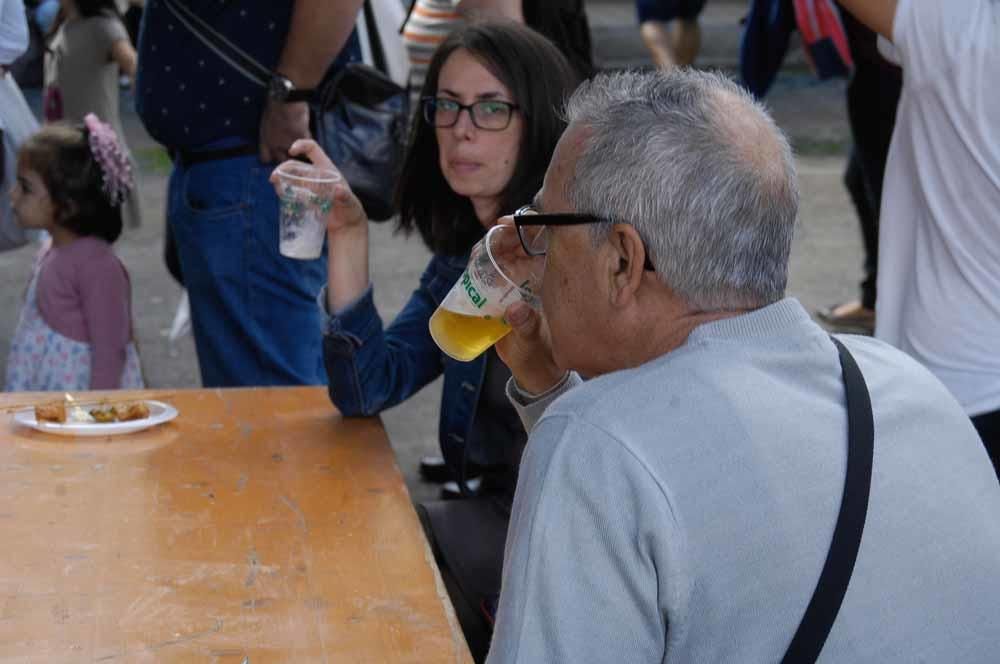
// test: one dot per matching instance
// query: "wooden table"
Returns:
(257, 527)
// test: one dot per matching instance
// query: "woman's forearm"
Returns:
(347, 266)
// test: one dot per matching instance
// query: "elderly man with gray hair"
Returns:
(704, 487)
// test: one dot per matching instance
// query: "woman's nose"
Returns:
(464, 126)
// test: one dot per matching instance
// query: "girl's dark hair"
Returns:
(61, 156)
(539, 78)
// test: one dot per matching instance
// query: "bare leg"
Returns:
(657, 40)
(672, 45)
(686, 40)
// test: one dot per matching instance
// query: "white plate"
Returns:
(159, 413)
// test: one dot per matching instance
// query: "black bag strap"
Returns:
(374, 39)
(242, 61)
(232, 54)
(832, 585)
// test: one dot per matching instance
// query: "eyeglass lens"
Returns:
(489, 114)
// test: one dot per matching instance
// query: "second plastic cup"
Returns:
(470, 319)
(306, 195)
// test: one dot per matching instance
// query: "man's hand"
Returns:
(280, 126)
(527, 350)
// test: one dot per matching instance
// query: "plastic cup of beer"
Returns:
(470, 319)
(306, 196)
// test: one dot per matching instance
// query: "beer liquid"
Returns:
(464, 337)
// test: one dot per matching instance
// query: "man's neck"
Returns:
(666, 331)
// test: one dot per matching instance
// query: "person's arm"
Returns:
(119, 47)
(123, 53)
(878, 15)
(594, 564)
(347, 233)
(318, 32)
(371, 368)
(13, 31)
(104, 297)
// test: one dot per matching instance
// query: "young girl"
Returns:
(88, 51)
(75, 328)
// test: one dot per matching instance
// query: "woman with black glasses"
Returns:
(487, 127)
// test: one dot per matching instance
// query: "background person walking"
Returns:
(89, 52)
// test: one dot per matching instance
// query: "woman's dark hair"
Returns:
(61, 156)
(539, 78)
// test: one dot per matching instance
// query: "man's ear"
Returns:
(629, 256)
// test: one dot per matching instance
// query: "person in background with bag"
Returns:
(679, 505)
(487, 125)
(17, 121)
(89, 50)
(253, 311)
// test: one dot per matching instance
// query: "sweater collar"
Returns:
(760, 323)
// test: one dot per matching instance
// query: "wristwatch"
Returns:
(281, 89)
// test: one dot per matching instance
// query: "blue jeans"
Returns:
(253, 311)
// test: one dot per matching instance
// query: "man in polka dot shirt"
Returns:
(253, 311)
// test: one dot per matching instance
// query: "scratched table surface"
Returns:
(259, 526)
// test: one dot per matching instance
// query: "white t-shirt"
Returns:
(13, 31)
(939, 241)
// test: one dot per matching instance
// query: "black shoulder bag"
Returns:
(832, 585)
(359, 115)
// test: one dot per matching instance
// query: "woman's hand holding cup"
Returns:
(344, 217)
(346, 212)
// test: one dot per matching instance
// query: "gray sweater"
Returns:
(682, 511)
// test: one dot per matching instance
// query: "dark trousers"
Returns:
(988, 426)
(467, 538)
(872, 96)
(866, 207)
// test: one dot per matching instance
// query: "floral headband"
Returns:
(109, 155)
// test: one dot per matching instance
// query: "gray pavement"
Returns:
(825, 264)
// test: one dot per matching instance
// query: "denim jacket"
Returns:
(371, 369)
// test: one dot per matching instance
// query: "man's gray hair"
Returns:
(703, 174)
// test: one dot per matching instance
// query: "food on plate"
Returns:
(135, 410)
(51, 411)
(104, 412)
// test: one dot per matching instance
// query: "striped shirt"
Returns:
(430, 22)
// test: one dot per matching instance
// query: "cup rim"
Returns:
(489, 253)
(327, 175)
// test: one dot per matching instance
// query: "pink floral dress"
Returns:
(41, 359)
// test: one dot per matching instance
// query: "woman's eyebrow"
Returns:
(482, 95)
